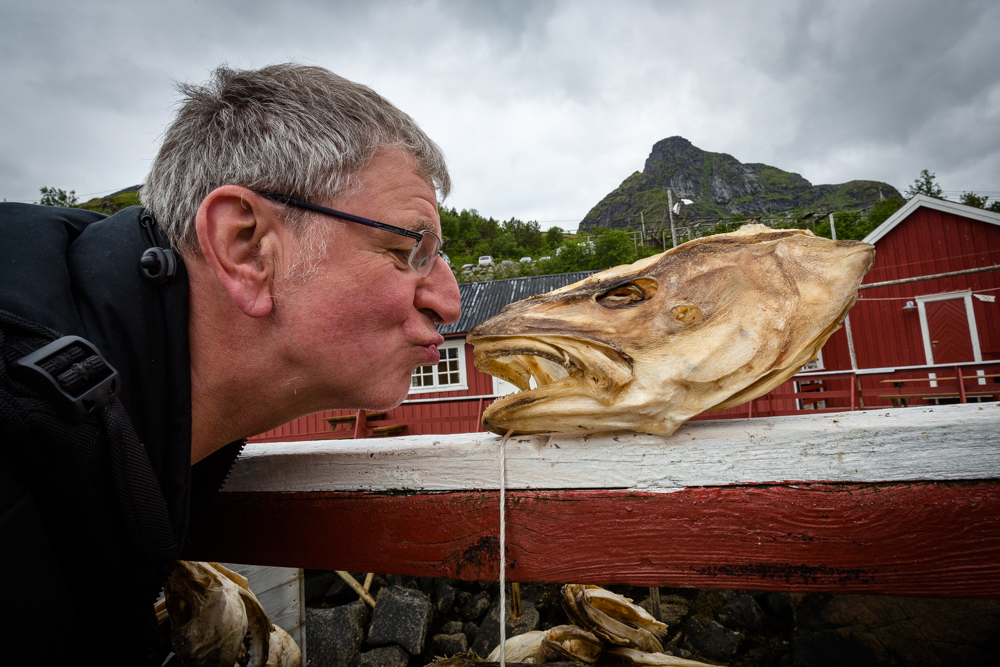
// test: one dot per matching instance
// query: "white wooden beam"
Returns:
(952, 442)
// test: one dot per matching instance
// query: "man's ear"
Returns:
(240, 236)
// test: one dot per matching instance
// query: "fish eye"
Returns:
(628, 294)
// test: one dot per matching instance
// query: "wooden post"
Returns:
(670, 210)
(360, 425)
(854, 381)
(850, 342)
(961, 384)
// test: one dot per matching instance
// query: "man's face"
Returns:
(357, 327)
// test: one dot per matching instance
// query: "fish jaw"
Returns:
(573, 377)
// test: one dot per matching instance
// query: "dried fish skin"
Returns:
(207, 616)
(282, 650)
(217, 620)
(704, 326)
(525, 647)
(622, 608)
(615, 620)
(558, 643)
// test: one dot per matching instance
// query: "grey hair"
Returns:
(296, 130)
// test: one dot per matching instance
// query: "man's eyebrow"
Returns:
(422, 225)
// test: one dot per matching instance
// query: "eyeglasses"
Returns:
(425, 250)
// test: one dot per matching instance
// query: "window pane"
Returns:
(446, 373)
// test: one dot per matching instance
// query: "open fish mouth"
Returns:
(559, 365)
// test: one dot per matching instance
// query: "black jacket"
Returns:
(71, 583)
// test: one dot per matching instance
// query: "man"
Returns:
(303, 273)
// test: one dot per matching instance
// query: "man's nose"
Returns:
(438, 295)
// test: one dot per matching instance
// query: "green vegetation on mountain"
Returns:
(719, 188)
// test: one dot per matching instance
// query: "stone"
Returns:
(488, 637)
(672, 614)
(402, 616)
(444, 597)
(779, 605)
(673, 609)
(451, 627)
(475, 607)
(335, 635)
(448, 645)
(461, 599)
(386, 656)
(319, 583)
(743, 613)
(711, 640)
(882, 629)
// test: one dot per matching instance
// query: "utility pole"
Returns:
(833, 230)
(673, 232)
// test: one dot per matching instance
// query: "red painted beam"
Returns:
(923, 539)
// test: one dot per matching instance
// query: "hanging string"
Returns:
(503, 541)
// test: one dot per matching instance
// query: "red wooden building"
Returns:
(925, 329)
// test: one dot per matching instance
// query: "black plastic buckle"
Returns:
(67, 372)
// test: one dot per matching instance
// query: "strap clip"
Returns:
(72, 374)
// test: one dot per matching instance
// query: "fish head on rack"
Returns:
(707, 325)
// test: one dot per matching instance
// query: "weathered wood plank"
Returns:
(923, 443)
(928, 539)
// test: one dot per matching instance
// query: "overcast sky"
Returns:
(542, 108)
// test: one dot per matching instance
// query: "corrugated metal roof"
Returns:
(483, 300)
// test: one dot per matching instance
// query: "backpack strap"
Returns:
(80, 388)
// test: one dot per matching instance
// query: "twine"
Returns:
(503, 541)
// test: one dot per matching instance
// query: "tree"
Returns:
(612, 248)
(57, 197)
(554, 237)
(925, 185)
(882, 211)
(972, 199)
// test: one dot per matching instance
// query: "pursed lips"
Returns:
(431, 350)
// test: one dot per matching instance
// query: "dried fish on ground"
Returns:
(707, 325)
(562, 642)
(621, 656)
(216, 620)
(612, 617)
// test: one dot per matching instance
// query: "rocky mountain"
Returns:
(720, 187)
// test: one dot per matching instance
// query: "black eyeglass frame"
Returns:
(402, 231)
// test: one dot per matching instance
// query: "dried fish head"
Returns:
(282, 650)
(207, 616)
(569, 641)
(704, 326)
(612, 617)
(562, 642)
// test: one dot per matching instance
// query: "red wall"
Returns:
(925, 243)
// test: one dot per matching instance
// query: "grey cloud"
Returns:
(541, 107)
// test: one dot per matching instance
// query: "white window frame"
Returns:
(814, 364)
(445, 350)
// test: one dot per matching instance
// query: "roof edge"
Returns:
(942, 205)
